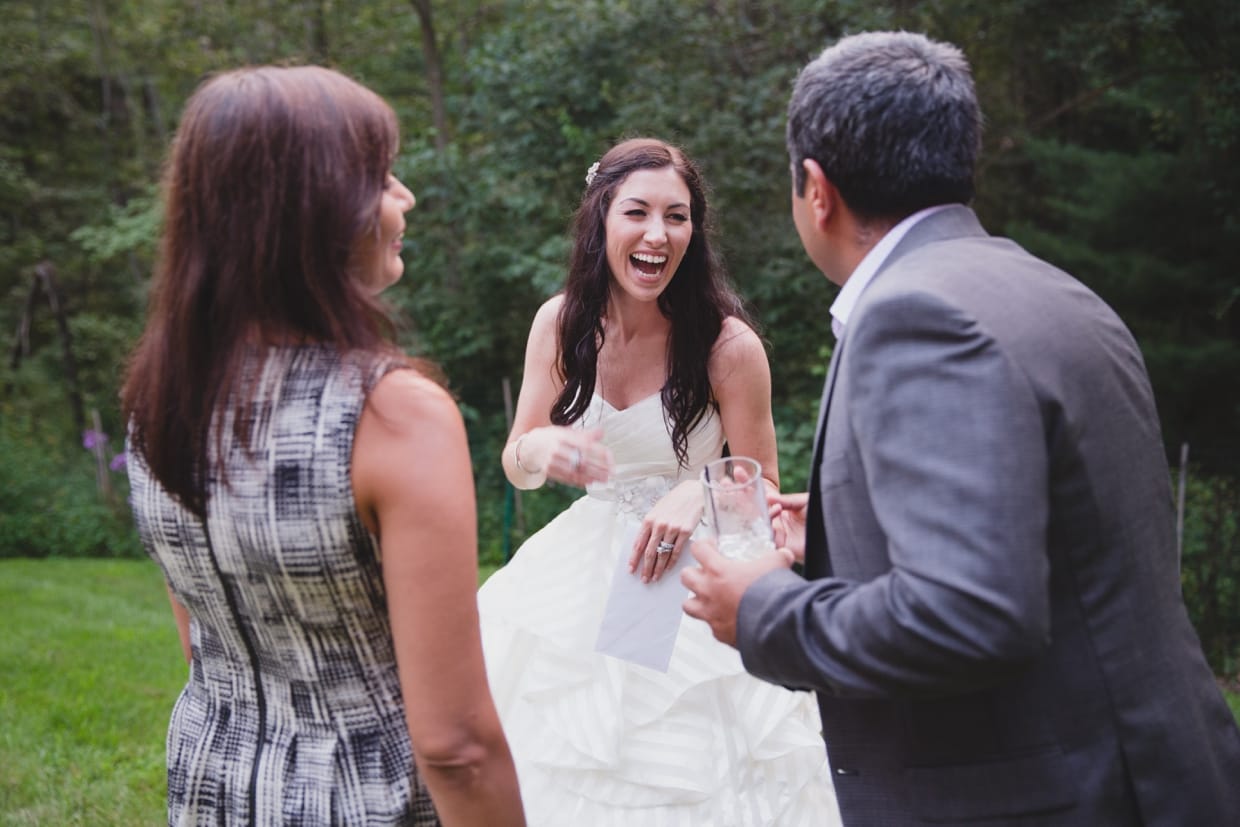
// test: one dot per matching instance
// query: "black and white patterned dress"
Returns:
(292, 714)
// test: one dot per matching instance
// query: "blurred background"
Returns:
(1112, 149)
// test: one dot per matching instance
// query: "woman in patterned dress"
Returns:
(305, 488)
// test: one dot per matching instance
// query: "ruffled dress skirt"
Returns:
(601, 741)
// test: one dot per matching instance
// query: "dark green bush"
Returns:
(1210, 571)
(50, 504)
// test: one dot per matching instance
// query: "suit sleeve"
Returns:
(951, 440)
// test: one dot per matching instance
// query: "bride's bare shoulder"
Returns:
(738, 346)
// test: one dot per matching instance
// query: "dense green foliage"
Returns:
(1211, 569)
(1111, 149)
(51, 500)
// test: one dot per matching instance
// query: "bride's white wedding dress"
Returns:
(600, 741)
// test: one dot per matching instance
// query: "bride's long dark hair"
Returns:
(696, 301)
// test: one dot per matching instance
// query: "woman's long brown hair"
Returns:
(275, 177)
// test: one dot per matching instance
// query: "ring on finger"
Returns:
(665, 547)
(575, 462)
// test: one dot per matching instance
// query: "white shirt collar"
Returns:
(844, 303)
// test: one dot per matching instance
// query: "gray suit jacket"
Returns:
(992, 614)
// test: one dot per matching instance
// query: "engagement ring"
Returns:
(576, 461)
(665, 547)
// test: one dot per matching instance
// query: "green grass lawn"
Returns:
(89, 669)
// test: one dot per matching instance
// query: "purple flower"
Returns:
(118, 461)
(92, 439)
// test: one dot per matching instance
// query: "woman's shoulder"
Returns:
(549, 312)
(409, 437)
(737, 340)
(738, 351)
(544, 329)
(407, 398)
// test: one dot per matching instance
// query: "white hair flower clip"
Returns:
(590, 173)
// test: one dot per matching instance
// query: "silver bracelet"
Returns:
(516, 455)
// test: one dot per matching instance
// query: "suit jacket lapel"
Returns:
(817, 557)
(820, 430)
(954, 222)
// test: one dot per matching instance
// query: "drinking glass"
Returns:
(736, 510)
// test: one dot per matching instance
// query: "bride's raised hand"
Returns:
(572, 456)
(665, 531)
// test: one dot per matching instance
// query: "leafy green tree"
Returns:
(1110, 149)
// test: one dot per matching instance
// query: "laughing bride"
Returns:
(636, 375)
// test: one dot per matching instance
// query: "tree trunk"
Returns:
(316, 22)
(46, 273)
(21, 339)
(45, 278)
(117, 91)
(434, 72)
(155, 110)
(98, 29)
(434, 79)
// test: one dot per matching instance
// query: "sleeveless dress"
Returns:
(292, 714)
(605, 742)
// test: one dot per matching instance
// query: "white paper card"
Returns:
(641, 620)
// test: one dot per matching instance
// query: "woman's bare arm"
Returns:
(181, 615)
(568, 455)
(414, 487)
(740, 376)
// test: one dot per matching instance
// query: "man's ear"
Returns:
(822, 195)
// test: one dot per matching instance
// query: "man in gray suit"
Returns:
(991, 611)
